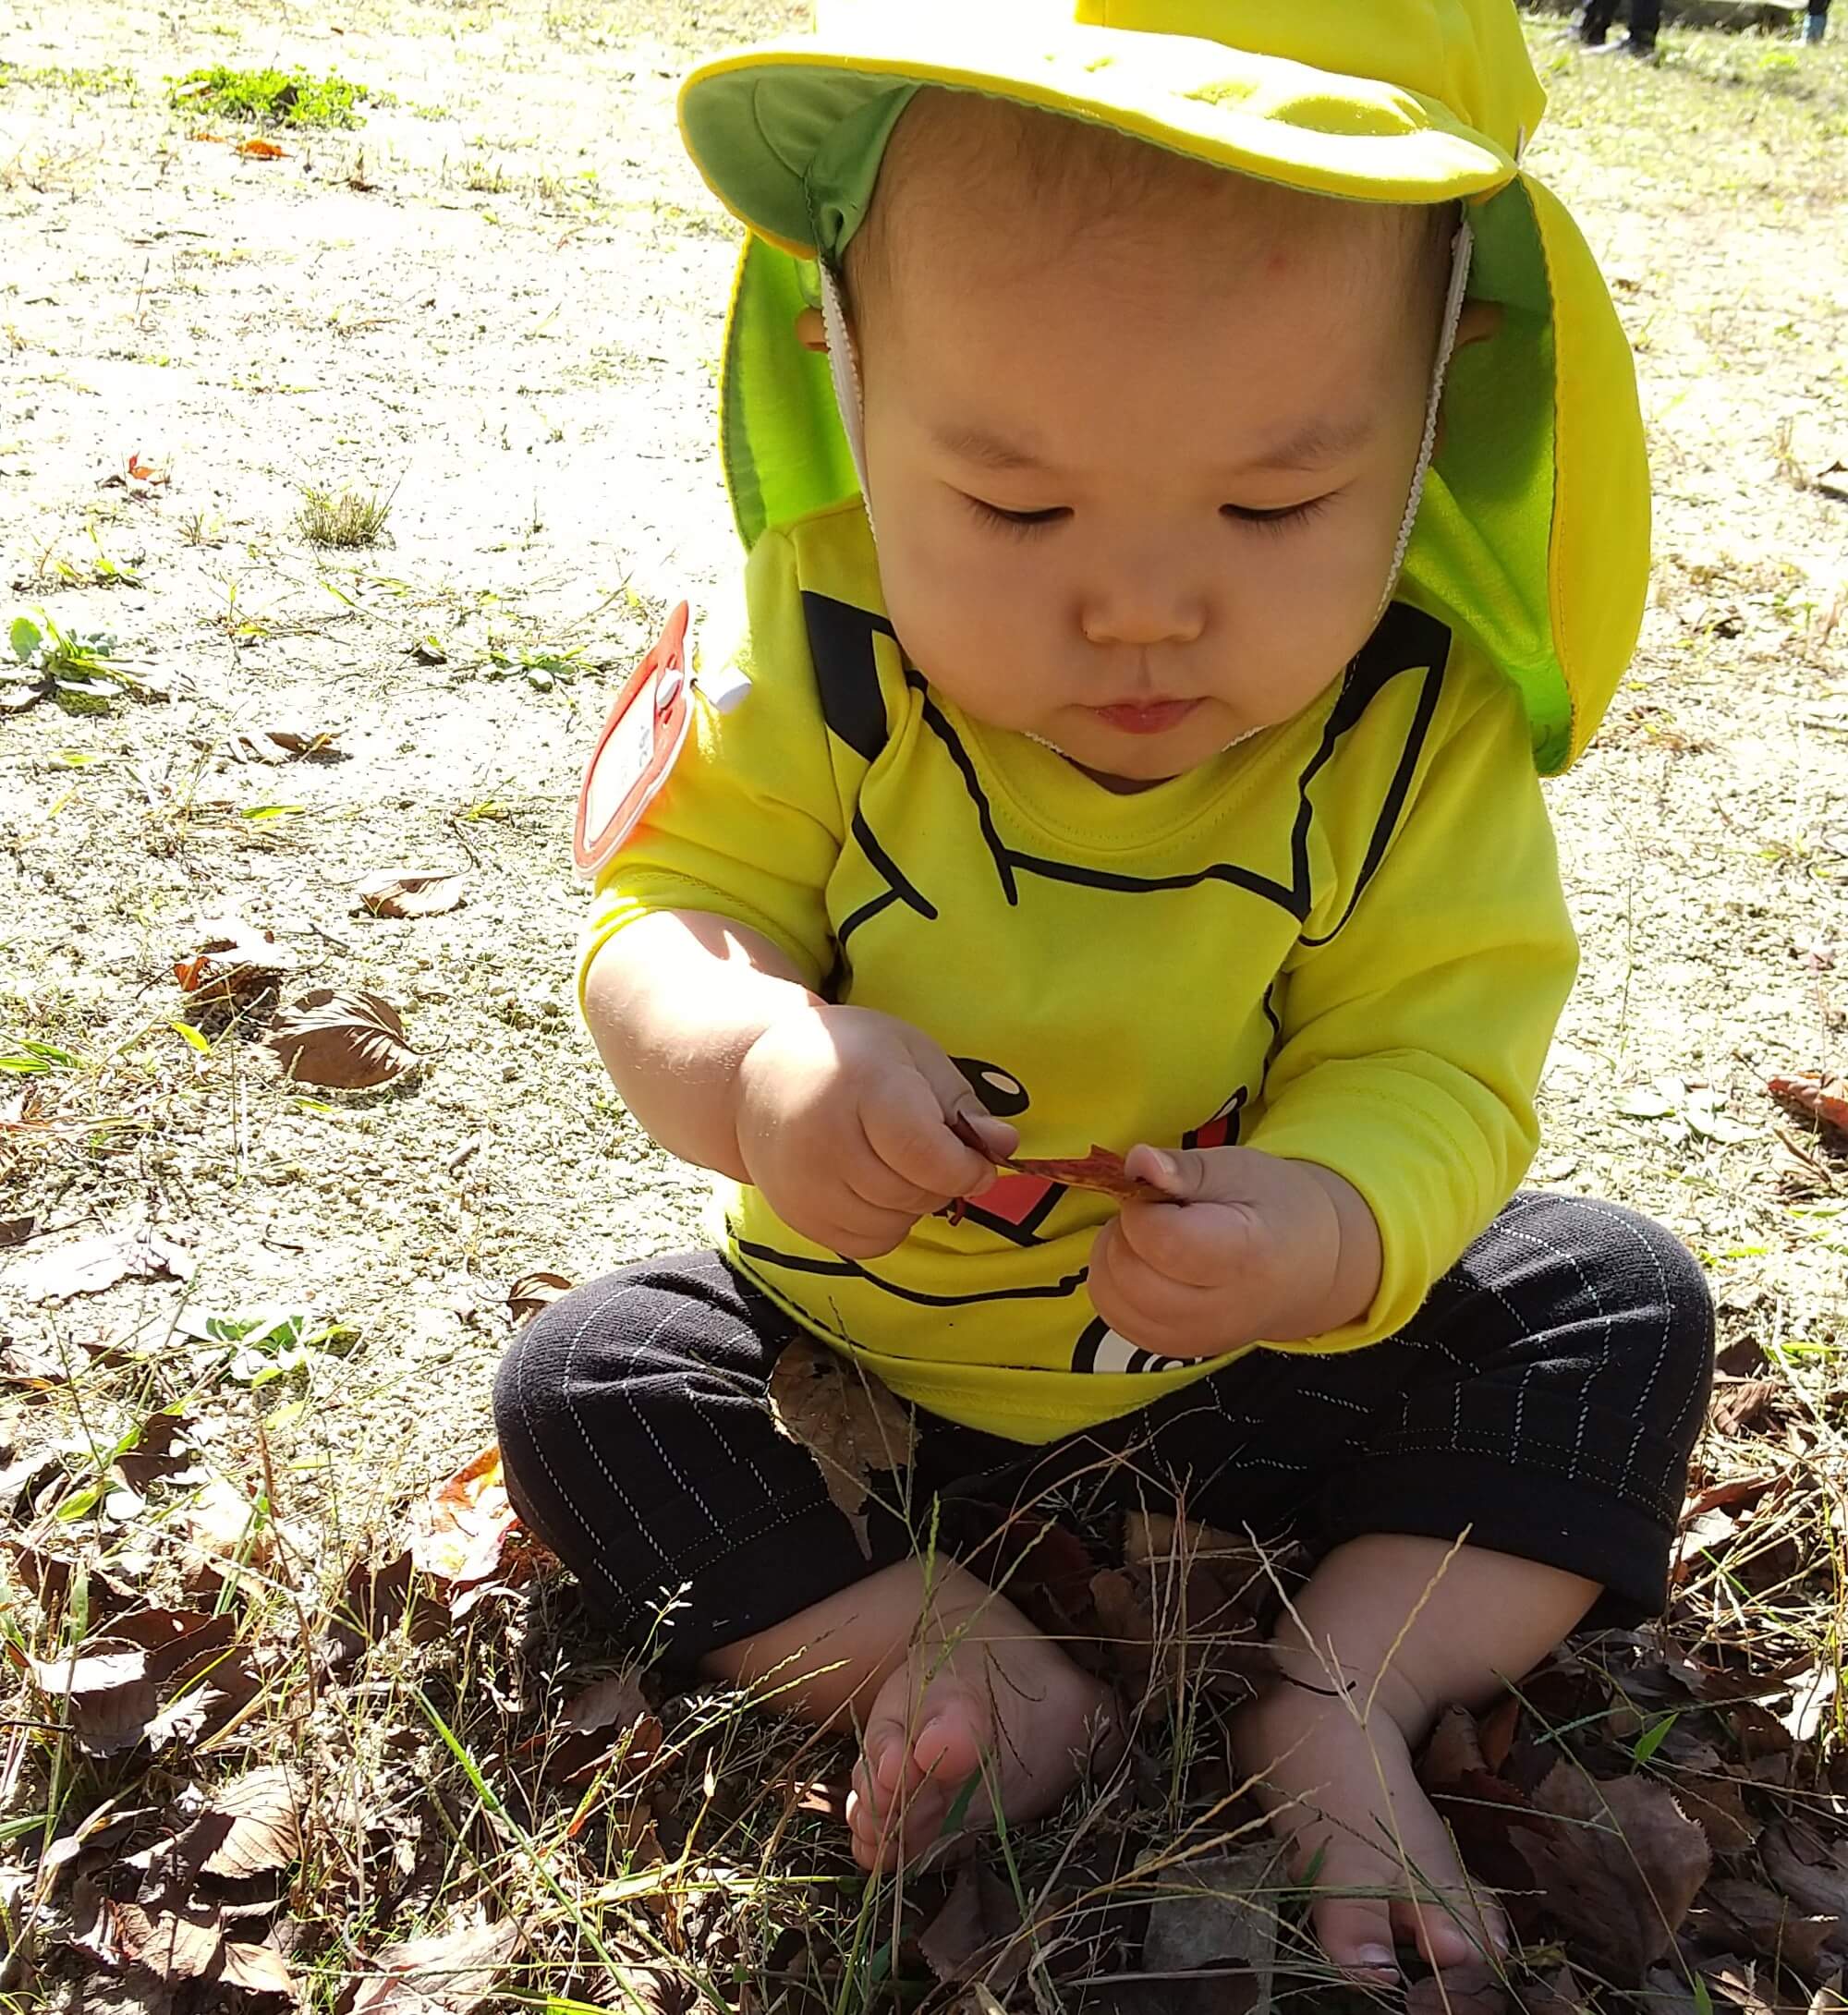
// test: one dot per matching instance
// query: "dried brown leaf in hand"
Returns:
(234, 961)
(853, 1426)
(344, 1038)
(451, 1973)
(411, 891)
(533, 1292)
(1458, 1990)
(1619, 1873)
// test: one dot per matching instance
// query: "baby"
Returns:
(1140, 746)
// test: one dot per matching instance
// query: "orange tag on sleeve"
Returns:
(644, 733)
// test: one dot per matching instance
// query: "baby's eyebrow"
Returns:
(1317, 440)
(976, 445)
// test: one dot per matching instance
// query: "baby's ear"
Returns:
(1478, 323)
(811, 332)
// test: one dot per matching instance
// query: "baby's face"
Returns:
(1139, 495)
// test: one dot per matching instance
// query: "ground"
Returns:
(496, 303)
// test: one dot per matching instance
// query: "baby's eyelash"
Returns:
(1277, 521)
(1019, 522)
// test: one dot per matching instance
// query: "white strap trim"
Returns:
(844, 367)
(1461, 247)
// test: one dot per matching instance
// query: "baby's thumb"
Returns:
(1183, 1175)
(974, 1125)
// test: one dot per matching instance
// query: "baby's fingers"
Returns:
(908, 1132)
(1202, 1244)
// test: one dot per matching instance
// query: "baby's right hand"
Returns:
(843, 1120)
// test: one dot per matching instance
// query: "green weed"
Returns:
(273, 97)
(56, 77)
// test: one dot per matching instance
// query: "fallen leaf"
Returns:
(258, 1969)
(376, 1598)
(463, 1527)
(17, 1230)
(234, 961)
(1619, 1874)
(161, 1451)
(411, 891)
(852, 1425)
(348, 1040)
(248, 1828)
(105, 1828)
(1737, 1404)
(49, 1576)
(278, 744)
(1169, 1623)
(1802, 1867)
(1458, 1990)
(975, 1931)
(1824, 1099)
(532, 1291)
(1734, 1916)
(89, 1265)
(219, 1520)
(1558, 1994)
(1705, 1116)
(1813, 1700)
(108, 1696)
(145, 472)
(179, 1941)
(261, 149)
(451, 1973)
(1218, 1913)
(180, 1644)
(616, 1702)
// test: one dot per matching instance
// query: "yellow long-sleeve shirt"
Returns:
(1342, 941)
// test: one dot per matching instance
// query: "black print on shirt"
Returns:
(1100, 1349)
(846, 672)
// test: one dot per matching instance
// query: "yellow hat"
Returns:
(1533, 530)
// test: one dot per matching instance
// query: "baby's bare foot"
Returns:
(1345, 1796)
(981, 1693)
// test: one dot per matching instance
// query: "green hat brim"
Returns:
(753, 122)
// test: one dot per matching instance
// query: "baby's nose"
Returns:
(1140, 610)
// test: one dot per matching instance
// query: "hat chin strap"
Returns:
(1461, 246)
(844, 367)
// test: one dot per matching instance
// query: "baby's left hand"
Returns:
(1251, 1249)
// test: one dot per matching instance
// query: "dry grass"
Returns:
(343, 519)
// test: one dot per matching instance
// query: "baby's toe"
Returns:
(1356, 1934)
(1452, 1929)
(948, 1749)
